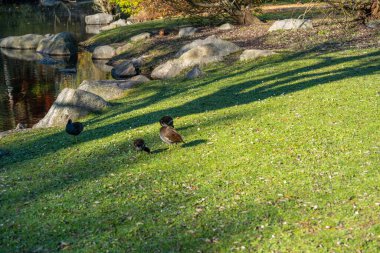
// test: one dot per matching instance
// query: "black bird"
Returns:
(167, 121)
(170, 136)
(139, 145)
(74, 128)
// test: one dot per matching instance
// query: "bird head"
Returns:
(69, 121)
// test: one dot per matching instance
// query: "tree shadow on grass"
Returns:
(193, 143)
(237, 93)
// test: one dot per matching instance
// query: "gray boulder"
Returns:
(251, 54)
(99, 19)
(198, 52)
(93, 29)
(195, 72)
(102, 65)
(187, 32)
(25, 55)
(141, 36)
(111, 89)
(28, 41)
(226, 26)
(60, 44)
(103, 52)
(113, 25)
(222, 45)
(126, 69)
(72, 104)
(289, 24)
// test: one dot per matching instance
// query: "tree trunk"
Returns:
(244, 17)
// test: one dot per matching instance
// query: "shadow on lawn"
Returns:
(238, 93)
(235, 94)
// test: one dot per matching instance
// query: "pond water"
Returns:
(30, 84)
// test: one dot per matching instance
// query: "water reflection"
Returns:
(28, 88)
(29, 83)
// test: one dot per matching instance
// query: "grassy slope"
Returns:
(282, 154)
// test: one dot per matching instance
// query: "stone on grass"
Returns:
(62, 43)
(223, 46)
(226, 26)
(113, 25)
(187, 32)
(251, 54)
(126, 69)
(289, 24)
(198, 52)
(28, 41)
(99, 19)
(103, 52)
(141, 36)
(102, 65)
(93, 29)
(71, 104)
(195, 72)
(112, 89)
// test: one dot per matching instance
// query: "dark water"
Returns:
(28, 84)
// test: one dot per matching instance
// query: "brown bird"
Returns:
(170, 136)
(139, 145)
(167, 121)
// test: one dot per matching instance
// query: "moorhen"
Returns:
(74, 128)
(167, 121)
(139, 145)
(170, 136)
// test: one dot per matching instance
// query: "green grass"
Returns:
(282, 155)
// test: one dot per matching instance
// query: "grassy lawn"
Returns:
(282, 155)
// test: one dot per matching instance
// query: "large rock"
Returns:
(289, 24)
(251, 54)
(111, 89)
(72, 104)
(99, 19)
(60, 44)
(103, 52)
(102, 65)
(141, 36)
(223, 46)
(126, 69)
(198, 52)
(187, 32)
(28, 41)
(93, 29)
(113, 25)
(25, 55)
(226, 26)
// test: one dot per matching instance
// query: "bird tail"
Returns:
(146, 149)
